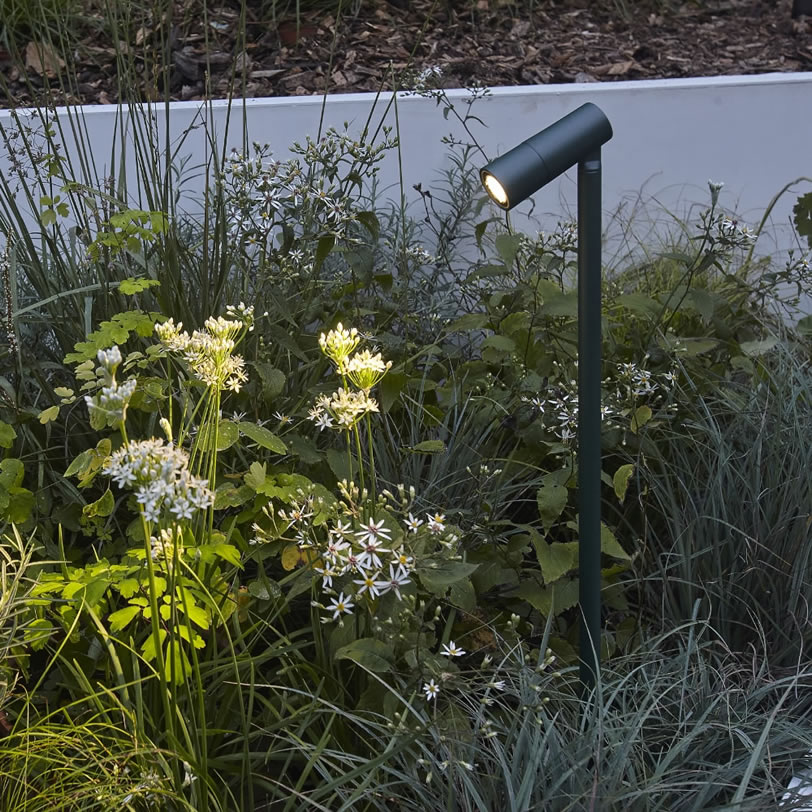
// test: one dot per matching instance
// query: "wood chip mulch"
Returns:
(486, 42)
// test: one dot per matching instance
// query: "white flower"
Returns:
(398, 577)
(374, 532)
(403, 559)
(431, 689)
(497, 684)
(413, 523)
(436, 523)
(327, 575)
(369, 554)
(323, 421)
(340, 605)
(450, 649)
(368, 584)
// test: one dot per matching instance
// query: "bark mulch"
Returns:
(489, 42)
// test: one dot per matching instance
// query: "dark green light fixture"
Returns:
(576, 138)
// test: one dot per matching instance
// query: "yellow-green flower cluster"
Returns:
(338, 344)
(345, 407)
(365, 369)
(210, 352)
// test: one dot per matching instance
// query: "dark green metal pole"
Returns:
(589, 413)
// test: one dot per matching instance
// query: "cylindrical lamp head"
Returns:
(517, 174)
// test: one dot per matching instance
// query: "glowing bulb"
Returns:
(496, 190)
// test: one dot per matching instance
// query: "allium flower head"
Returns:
(343, 409)
(160, 477)
(365, 369)
(338, 344)
(210, 352)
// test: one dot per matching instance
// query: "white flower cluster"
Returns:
(732, 234)
(423, 82)
(559, 406)
(361, 556)
(109, 405)
(342, 410)
(160, 477)
(210, 352)
(562, 405)
(345, 407)
(263, 194)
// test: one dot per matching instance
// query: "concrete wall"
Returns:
(670, 138)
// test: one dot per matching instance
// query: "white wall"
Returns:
(670, 136)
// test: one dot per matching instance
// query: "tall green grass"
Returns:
(727, 507)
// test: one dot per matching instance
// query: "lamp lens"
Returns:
(496, 190)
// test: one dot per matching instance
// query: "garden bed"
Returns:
(491, 42)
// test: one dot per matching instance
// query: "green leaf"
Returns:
(370, 222)
(437, 575)
(551, 499)
(753, 349)
(136, 284)
(228, 552)
(264, 590)
(463, 595)
(487, 271)
(691, 347)
(20, 505)
(272, 379)
(37, 633)
(427, 447)
(80, 463)
(556, 559)
(507, 246)
(255, 478)
(803, 216)
(562, 304)
(338, 462)
(515, 323)
(49, 414)
(552, 599)
(374, 655)
(470, 321)
(639, 304)
(101, 507)
(262, 437)
(389, 389)
(323, 248)
(227, 496)
(611, 546)
(148, 649)
(304, 448)
(500, 344)
(7, 435)
(123, 617)
(227, 435)
(703, 302)
(621, 480)
(11, 473)
(641, 416)
(195, 613)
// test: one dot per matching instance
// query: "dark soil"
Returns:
(490, 42)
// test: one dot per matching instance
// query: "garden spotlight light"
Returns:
(576, 138)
